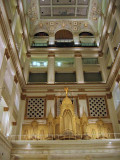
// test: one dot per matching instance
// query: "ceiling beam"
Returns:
(64, 6)
(38, 9)
(76, 8)
(51, 8)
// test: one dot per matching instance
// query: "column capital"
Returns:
(50, 97)
(114, 8)
(7, 54)
(14, 123)
(78, 54)
(5, 109)
(15, 79)
(23, 96)
(82, 96)
(109, 95)
(51, 54)
(100, 54)
(28, 55)
(107, 35)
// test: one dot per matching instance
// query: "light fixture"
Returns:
(45, 64)
(110, 142)
(34, 63)
(38, 64)
(58, 64)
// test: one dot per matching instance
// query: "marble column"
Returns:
(76, 39)
(113, 114)
(79, 69)
(27, 67)
(82, 101)
(110, 47)
(4, 121)
(21, 116)
(21, 46)
(116, 14)
(51, 69)
(14, 22)
(11, 106)
(50, 105)
(103, 68)
(3, 69)
(51, 39)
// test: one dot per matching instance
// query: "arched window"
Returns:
(86, 34)
(41, 34)
(63, 34)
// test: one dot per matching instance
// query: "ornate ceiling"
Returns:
(75, 15)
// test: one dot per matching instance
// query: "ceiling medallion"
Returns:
(75, 23)
(51, 23)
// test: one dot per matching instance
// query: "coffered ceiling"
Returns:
(75, 15)
(63, 8)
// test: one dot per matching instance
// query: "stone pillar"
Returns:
(112, 112)
(15, 19)
(76, 39)
(21, 45)
(4, 121)
(11, 106)
(103, 68)
(110, 47)
(21, 116)
(116, 14)
(82, 101)
(13, 133)
(51, 69)
(79, 69)
(3, 68)
(50, 105)
(51, 39)
(26, 67)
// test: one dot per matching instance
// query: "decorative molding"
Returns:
(14, 123)
(109, 96)
(23, 96)
(50, 97)
(82, 96)
(5, 109)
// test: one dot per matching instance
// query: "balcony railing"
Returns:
(65, 137)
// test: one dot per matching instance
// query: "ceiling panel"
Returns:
(44, 2)
(66, 11)
(63, 2)
(45, 11)
(83, 2)
(82, 11)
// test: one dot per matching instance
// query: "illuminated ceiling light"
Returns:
(38, 64)
(34, 63)
(59, 64)
(110, 142)
(45, 64)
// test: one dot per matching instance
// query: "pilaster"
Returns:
(79, 68)
(51, 69)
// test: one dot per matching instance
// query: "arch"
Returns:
(41, 34)
(63, 34)
(67, 121)
(86, 34)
